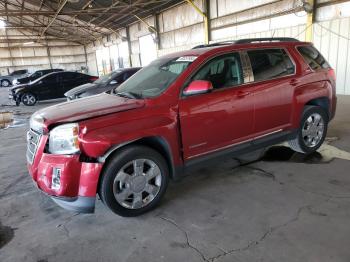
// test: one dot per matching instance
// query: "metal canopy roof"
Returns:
(80, 21)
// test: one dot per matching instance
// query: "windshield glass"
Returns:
(35, 75)
(155, 78)
(106, 78)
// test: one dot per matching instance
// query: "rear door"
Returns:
(70, 80)
(273, 86)
(222, 118)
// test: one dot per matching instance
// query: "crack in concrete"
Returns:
(64, 224)
(251, 244)
(267, 233)
(186, 236)
(321, 194)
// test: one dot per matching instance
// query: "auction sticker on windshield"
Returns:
(186, 58)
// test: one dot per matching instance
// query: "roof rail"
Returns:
(249, 40)
(267, 39)
(215, 44)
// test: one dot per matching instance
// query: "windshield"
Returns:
(35, 75)
(40, 78)
(106, 78)
(155, 78)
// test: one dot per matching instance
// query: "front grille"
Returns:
(33, 139)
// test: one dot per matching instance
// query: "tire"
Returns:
(5, 83)
(131, 192)
(28, 99)
(312, 130)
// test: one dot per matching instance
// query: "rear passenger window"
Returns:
(312, 57)
(270, 63)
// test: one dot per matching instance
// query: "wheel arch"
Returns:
(322, 102)
(155, 142)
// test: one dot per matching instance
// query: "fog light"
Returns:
(56, 178)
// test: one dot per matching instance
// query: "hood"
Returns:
(18, 87)
(88, 107)
(80, 89)
(23, 80)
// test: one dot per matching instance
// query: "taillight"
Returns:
(331, 74)
(93, 78)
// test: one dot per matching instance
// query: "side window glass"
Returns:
(52, 79)
(223, 71)
(313, 58)
(69, 76)
(270, 63)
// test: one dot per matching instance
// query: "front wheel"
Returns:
(28, 99)
(134, 181)
(312, 130)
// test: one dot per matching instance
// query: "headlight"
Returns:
(14, 82)
(37, 122)
(64, 139)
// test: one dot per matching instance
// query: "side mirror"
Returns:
(113, 82)
(198, 87)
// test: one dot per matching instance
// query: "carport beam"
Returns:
(205, 17)
(309, 22)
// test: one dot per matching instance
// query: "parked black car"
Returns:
(49, 86)
(105, 83)
(35, 76)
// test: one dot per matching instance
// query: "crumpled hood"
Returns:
(88, 107)
(80, 89)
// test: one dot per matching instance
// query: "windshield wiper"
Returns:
(129, 95)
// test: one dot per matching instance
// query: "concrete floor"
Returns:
(281, 210)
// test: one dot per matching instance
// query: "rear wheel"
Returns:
(312, 130)
(134, 181)
(28, 99)
(5, 83)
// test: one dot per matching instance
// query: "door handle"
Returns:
(294, 82)
(242, 93)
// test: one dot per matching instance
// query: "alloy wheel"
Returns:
(313, 130)
(137, 183)
(5, 83)
(28, 99)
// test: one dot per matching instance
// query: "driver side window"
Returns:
(222, 71)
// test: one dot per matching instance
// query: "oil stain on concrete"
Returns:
(6, 235)
(325, 154)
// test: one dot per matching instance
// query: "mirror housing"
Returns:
(113, 82)
(198, 87)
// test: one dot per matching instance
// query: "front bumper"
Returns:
(78, 204)
(78, 180)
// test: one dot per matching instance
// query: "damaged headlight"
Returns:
(64, 139)
(37, 122)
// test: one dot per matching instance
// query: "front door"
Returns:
(48, 87)
(219, 119)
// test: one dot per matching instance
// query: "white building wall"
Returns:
(58, 54)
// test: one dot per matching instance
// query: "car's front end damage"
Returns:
(55, 164)
(56, 158)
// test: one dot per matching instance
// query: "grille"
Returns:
(33, 139)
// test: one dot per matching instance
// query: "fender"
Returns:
(158, 143)
(316, 93)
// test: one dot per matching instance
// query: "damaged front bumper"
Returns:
(71, 184)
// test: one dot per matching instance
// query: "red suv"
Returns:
(184, 108)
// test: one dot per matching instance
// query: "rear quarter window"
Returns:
(270, 63)
(313, 57)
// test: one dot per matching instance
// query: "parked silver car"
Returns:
(6, 81)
